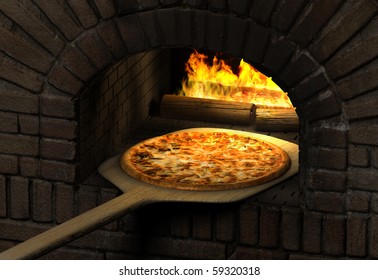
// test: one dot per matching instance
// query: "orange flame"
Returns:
(218, 81)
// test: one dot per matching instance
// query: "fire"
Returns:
(218, 81)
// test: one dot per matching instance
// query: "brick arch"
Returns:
(291, 66)
(276, 54)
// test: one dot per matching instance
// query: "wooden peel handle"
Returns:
(78, 226)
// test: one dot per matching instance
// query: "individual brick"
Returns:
(202, 225)
(239, 7)
(150, 25)
(19, 230)
(25, 51)
(348, 19)
(55, 106)
(8, 122)
(58, 128)
(170, 2)
(236, 28)
(64, 80)
(291, 228)
(106, 8)
(26, 15)
(216, 31)
(364, 132)
(185, 24)
(186, 248)
(248, 253)
(320, 136)
(29, 167)
(326, 180)
(356, 236)
(181, 224)
(326, 105)
(358, 51)
(86, 199)
(29, 124)
(58, 171)
(249, 224)
(218, 5)
(8, 164)
(60, 17)
(18, 100)
(362, 107)
(19, 144)
(317, 15)
(111, 241)
(95, 50)
(42, 201)
(225, 224)
(286, 13)
(17, 73)
(330, 202)
(196, 3)
(132, 37)
(358, 82)
(256, 43)
(3, 197)
(373, 237)
(84, 12)
(278, 54)
(112, 39)
(269, 227)
(65, 253)
(262, 11)
(160, 221)
(312, 232)
(306, 89)
(358, 156)
(328, 158)
(168, 24)
(199, 33)
(359, 201)
(375, 157)
(19, 198)
(5, 245)
(77, 63)
(57, 149)
(363, 178)
(125, 7)
(374, 203)
(295, 71)
(64, 202)
(334, 235)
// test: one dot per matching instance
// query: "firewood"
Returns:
(276, 119)
(202, 109)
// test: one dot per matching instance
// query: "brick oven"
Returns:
(80, 79)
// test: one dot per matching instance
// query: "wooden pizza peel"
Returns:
(137, 194)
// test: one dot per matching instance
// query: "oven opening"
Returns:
(162, 91)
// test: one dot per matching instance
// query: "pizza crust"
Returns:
(129, 164)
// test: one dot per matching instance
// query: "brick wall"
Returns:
(323, 53)
(115, 104)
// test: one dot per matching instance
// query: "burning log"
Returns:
(276, 119)
(247, 94)
(212, 110)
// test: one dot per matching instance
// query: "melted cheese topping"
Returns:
(204, 158)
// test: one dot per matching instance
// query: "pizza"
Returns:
(205, 159)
